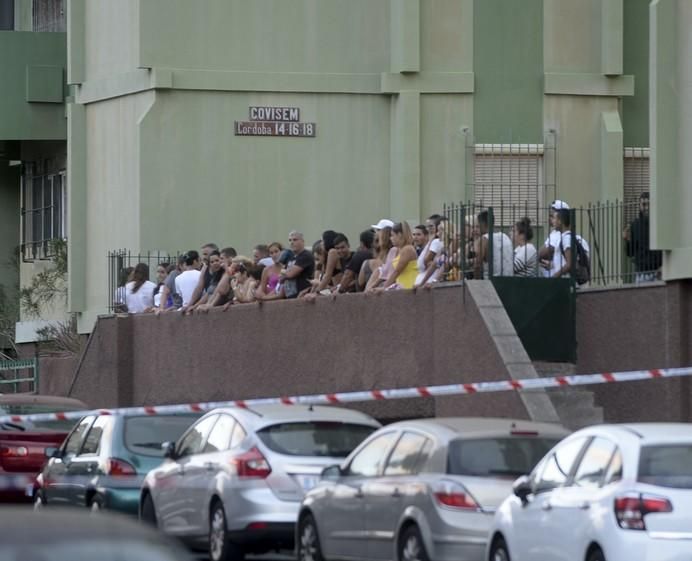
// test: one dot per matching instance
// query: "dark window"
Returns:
(405, 458)
(493, 457)
(30, 409)
(6, 15)
(145, 435)
(594, 464)
(92, 442)
(49, 15)
(556, 469)
(74, 441)
(314, 438)
(193, 440)
(220, 436)
(369, 461)
(668, 465)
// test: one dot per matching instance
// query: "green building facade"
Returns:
(394, 99)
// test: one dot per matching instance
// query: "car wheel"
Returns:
(499, 551)
(411, 547)
(39, 501)
(597, 555)
(96, 504)
(148, 513)
(220, 548)
(308, 541)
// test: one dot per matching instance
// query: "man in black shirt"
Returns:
(349, 281)
(636, 236)
(300, 270)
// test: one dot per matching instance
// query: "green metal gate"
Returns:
(19, 375)
(543, 312)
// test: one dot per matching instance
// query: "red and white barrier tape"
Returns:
(371, 395)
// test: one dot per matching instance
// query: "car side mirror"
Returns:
(53, 453)
(332, 472)
(168, 450)
(522, 488)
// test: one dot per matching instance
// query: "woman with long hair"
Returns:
(404, 265)
(379, 268)
(162, 271)
(139, 292)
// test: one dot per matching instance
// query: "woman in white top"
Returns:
(139, 292)
(525, 255)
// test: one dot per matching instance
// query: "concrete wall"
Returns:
(354, 342)
(633, 329)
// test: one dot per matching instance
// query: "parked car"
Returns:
(23, 444)
(606, 493)
(420, 490)
(234, 481)
(72, 535)
(104, 460)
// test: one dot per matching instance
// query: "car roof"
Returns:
(44, 400)
(264, 415)
(453, 427)
(648, 433)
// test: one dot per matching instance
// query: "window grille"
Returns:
(43, 210)
(636, 172)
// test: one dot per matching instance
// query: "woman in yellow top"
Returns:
(405, 263)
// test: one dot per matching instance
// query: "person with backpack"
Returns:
(582, 271)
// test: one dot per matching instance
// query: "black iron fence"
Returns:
(121, 264)
(610, 238)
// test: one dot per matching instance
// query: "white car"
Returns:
(605, 493)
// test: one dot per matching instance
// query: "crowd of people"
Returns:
(390, 256)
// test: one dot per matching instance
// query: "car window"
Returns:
(238, 435)
(59, 425)
(497, 457)
(558, 466)
(193, 440)
(220, 436)
(405, 458)
(668, 465)
(369, 460)
(74, 441)
(314, 438)
(592, 467)
(92, 442)
(145, 435)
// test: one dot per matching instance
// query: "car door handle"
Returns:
(396, 494)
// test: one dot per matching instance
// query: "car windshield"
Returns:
(32, 409)
(497, 457)
(667, 465)
(314, 438)
(145, 435)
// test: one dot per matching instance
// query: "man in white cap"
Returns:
(550, 255)
(552, 258)
(384, 223)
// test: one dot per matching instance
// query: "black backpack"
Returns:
(583, 273)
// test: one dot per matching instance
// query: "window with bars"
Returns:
(43, 210)
(509, 178)
(49, 15)
(636, 175)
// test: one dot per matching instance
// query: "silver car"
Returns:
(420, 490)
(234, 481)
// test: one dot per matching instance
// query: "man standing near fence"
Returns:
(646, 261)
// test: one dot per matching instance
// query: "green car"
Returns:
(103, 461)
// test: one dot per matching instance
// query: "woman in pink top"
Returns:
(267, 289)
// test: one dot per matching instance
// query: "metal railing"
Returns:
(616, 244)
(13, 373)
